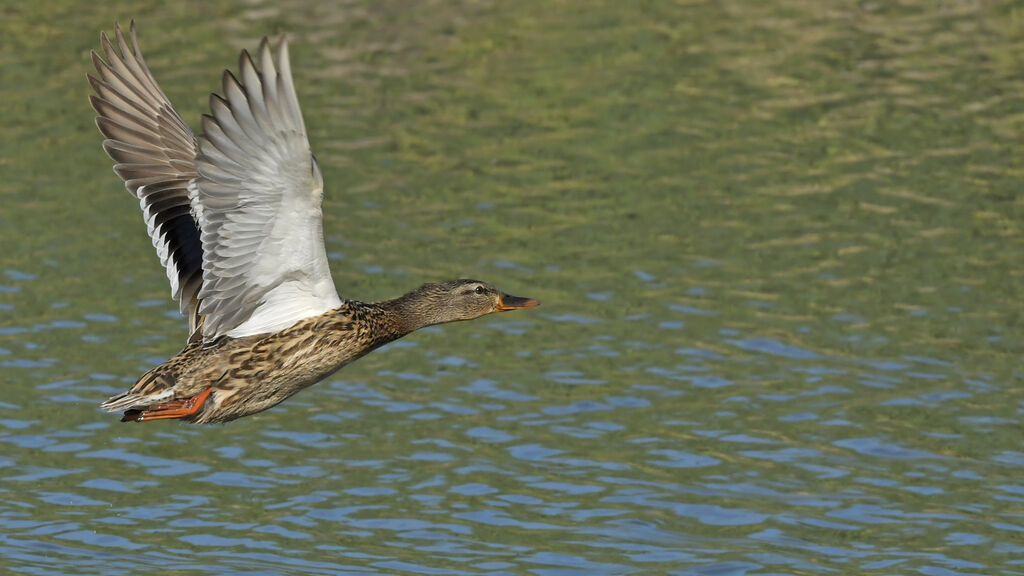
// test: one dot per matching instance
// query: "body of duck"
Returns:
(235, 217)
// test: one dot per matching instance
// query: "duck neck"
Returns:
(408, 313)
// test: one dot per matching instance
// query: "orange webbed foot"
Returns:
(179, 408)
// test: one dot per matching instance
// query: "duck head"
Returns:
(458, 300)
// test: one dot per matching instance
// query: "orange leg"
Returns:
(173, 409)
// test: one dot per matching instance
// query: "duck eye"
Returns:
(479, 290)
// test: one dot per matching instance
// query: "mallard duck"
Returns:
(235, 217)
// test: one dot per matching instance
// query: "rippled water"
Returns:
(777, 244)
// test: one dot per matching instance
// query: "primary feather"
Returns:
(155, 155)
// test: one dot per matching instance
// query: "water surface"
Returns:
(778, 250)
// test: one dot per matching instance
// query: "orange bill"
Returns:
(508, 302)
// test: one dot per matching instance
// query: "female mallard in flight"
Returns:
(234, 215)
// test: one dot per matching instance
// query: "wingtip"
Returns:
(98, 63)
(97, 103)
(105, 43)
(282, 49)
(214, 103)
(230, 82)
(121, 43)
(119, 31)
(97, 84)
(245, 61)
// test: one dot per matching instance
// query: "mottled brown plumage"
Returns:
(250, 374)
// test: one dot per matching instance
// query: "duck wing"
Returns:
(257, 198)
(155, 152)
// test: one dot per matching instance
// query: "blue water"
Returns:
(776, 245)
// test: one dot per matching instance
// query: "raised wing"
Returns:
(257, 199)
(155, 153)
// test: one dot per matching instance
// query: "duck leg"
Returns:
(179, 408)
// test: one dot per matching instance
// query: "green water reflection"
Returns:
(778, 246)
